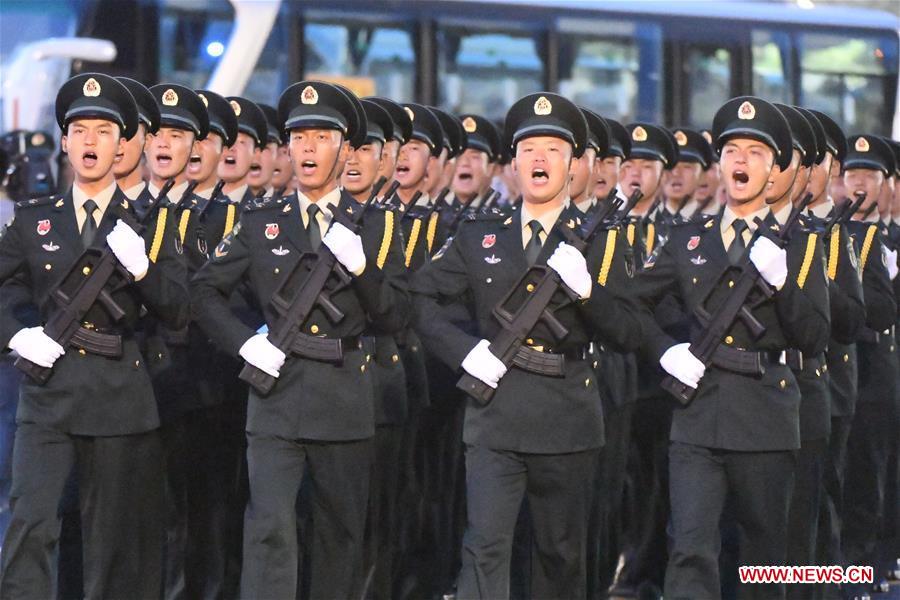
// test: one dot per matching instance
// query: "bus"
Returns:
(670, 62)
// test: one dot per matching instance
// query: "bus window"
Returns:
(485, 73)
(612, 67)
(271, 72)
(849, 77)
(378, 59)
(708, 74)
(771, 52)
(192, 38)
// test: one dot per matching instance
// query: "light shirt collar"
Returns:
(102, 199)
(423, 200)
(237, 194)
(174, 194)
(586, 205)
(327, 204)
(729, 217)
(823, 210)
(783, 213)
(547, 221)
(134, 191)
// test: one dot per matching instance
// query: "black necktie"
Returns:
(312, 228)
(736, 250)
(533, 247)
(89, 228)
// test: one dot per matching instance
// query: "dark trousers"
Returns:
(383, 518)
(759, 486)
(558, 488)
(831, 512)
(339, 475)
(120, 495)
(865, 478)
(803, 516)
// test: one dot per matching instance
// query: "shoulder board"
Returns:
(267, 204)
(37, 201)
(491, 215)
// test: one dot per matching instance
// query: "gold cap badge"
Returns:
(681, 138)
(639, 134)
(542, 106)
(235, 107)
(91, 88)
(747, 111)
(38, 139)
(862, 144)
(170, 98)
(309, 95)
(470, 125)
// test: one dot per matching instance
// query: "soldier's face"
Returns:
(886, 197)
(543, 165)
(869, 181)
(448, 173)
(682, 180)
(262, 165)
(412, 163)
(389, 159)
(92, 146)
(836, 188)
(745, 167)
(235, 162)
(168, 151)
(282, 172)
(205, 159)
(782, 180)
(606, 175)
(473, 174)
(317, 155)
(436, 170)
(640, 174)
(129, 156)
(709, 182)
(362, 167)
(821, 173)
(583, 174)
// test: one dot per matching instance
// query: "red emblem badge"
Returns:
(693, 242)
(489, 240)
(272, 231)
(43, 227)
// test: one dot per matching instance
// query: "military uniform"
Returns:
(523, 443)
(96, 414)
(328, 429)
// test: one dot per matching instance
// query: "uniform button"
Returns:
(48, 266)
(362, 368)
(529, 288)
(137, 364)
(530, 342)
(395, 358)
(892, 347)
(782, 383)
(587, 383)
(314, 328)
(846, 357)
(368, 358)
(730, 284)
(824, 368)
(414, 348)
(694, 280)
(81, 351)
(277, 270)
(596, 364)
(488, 280)
(86, 270)
(729, 339)
(159, 356)
(818, 373)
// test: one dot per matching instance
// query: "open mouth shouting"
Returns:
(307, 168)
(163, 161)
(539, 176)
(741, 179)
(89, 159)
(193, 167)
(255, 169)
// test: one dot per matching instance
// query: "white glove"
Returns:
(346, 246)
(572, 268)
(129, 249)
(481, 364)
(770, 261)
(33, 344)
(679, 362)
(890, 259)
(259, 352)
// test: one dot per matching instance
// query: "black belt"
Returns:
(547, 362)
(330, 350)
(747, 362)
(102, 342)
(871, 336)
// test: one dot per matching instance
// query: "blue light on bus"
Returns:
(215, 49)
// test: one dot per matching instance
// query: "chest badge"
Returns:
(492, 260)
(272, 231)
(43, 227)
(693, 242)
(51, 247)
(280, 251)
(489, 240)
(698, 260)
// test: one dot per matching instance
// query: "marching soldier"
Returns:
(475, 164)
(129, 164)
(868, 163)
(402, 132)
(738, 434)
(582, 194)
(441, 172)
(539, 435)
(96, 414)
(318, 419)
(263, 167)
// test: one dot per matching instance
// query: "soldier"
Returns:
(868, 163)
(539, 435)
(738, 434)
(263, 166)
(402, 132)
(129, 164)
(681, 184)
(475, 164)
(606, 171)
(441, 172)
(237, 160)
(328, 434)
(710, 188)
(96, 414)
(419, 155)
(582, 193)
